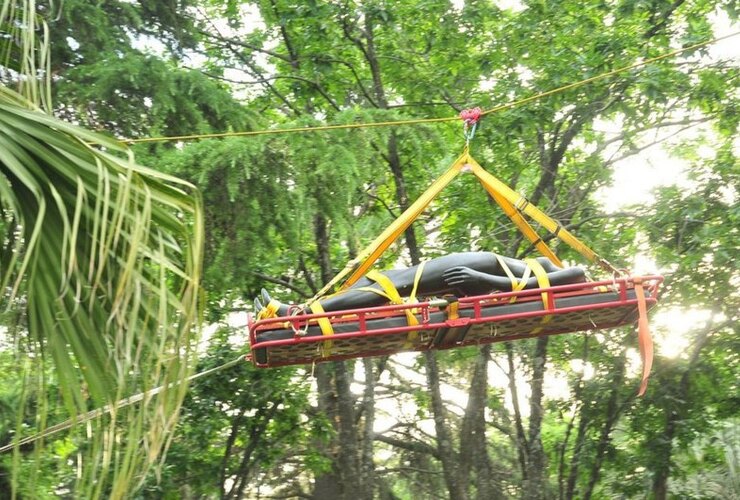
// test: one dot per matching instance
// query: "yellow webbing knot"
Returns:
(326, 329)
(269, 311)
(516, 284)
(544, 282)
(417, 279)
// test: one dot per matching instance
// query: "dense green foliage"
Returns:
(546, 418)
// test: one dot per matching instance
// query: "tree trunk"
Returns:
(394, 162)
(445, 447)
(367, 464)
(335, 401)
(535, 484)
(613, 411)
(327, 484)
(582, 420)
(674, 416)
(521, 438)
(321, 236)
(575, 460)
(474, 457)
(381, 101)
(348, 462)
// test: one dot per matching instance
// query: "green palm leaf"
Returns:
(103, 258)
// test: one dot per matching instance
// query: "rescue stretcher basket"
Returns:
(446, 323)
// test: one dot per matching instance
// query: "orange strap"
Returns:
(643, 335)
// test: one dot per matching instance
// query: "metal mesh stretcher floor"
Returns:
(375, 331)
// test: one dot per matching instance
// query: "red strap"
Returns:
(643, 335)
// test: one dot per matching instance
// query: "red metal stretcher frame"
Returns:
(362, 315)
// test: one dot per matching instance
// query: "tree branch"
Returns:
(634, 151)
(254, 71)
(415, 446)
(357, 78)
(281, 282)
(228, 41)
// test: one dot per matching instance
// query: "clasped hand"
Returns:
(467, 280)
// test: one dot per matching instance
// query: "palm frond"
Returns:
(106, 257)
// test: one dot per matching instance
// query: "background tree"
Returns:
(287, 211)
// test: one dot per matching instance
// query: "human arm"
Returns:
(472, 282)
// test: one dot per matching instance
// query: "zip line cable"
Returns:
(85, 417)
(416, 121)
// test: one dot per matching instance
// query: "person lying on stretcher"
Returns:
(464, 273)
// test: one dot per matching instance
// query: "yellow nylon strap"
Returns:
(326, 329)
(453, 310)
(387, 285)
(390, 289)
(417, 279)
(369, 255)
(522, 205)
(374, 290)
(524, 227)
(544, 282)
(516, 284)
(510, 201)
(269, 311)
(413, 336)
